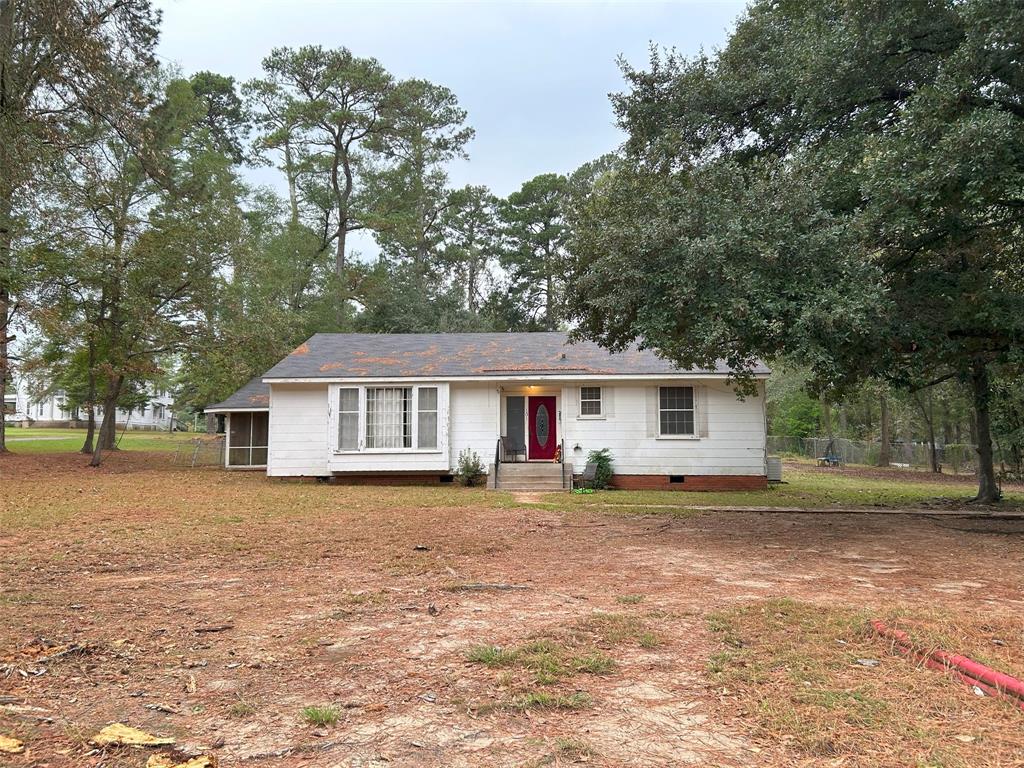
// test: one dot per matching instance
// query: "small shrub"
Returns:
(315, 715)
(603, 459)
(470, 468)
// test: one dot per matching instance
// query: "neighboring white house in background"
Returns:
(51, 410)
(390, 408)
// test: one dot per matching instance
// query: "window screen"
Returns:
(675, 411)
(248, 439)
(348, 419)
(426, 408)
(590, 401)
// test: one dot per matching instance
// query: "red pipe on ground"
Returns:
(991, 677)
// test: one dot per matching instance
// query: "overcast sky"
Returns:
(534, 77)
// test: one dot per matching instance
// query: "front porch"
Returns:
(529, 455)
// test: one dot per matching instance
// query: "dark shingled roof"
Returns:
(453, 355)
(254, 394)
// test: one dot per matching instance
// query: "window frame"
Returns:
(418, 412)
(414, 412)
(695, 434)
(600, 402)
(337, 419)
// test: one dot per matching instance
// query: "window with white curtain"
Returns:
(389, 417)
(426, 413)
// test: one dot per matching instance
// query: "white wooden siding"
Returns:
(731, 432)
(475, 421)
(298, 430)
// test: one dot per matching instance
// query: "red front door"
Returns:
(543, 419)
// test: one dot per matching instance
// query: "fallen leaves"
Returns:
(119, 734)
(11, 745)
(165, 761)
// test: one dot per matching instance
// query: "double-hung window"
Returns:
(348, 419)
(426, 410)
(676, 413)
(590, 401)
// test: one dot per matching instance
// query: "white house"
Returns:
(389, 408)
(52, 410)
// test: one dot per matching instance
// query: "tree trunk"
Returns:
(108, 429)
(289, 170)
(826, 418)
(8, 128)
(988, 488)
(928, 414)
(471, 283)
(885, 450)
(90, 427)
(339, 256)
(549, 303)
(4, 354)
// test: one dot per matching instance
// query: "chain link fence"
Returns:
(958, 457)
(200, 452)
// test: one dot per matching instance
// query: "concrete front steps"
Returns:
(541, 476)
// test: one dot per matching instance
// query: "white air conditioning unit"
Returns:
(774, 469)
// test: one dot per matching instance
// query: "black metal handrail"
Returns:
(561, 461)
(497, 460)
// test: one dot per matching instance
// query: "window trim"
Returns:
(601, 414)
(695, 435)
(334, 417)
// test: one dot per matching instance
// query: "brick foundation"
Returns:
(690, 483)
(403, 478)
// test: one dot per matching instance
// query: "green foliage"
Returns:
(470, 468)
(797, 415)
(603, 459)
(840, 184)
(321, 715)
(536, 261)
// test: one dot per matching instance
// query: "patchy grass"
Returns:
(629, 599)
(574, 750)
(556, 657)
(491, 656)
(610, 629)
(545, 700)
(321, 715)
(242, 708)
(806, 487)
(791, 670)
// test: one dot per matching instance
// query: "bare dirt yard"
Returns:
(266, 623)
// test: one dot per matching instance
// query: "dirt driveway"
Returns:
(215, 607)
